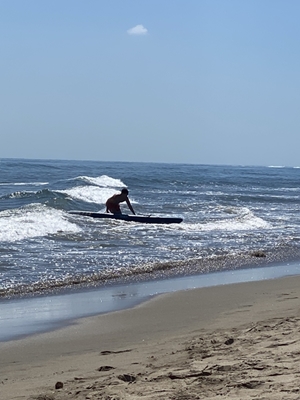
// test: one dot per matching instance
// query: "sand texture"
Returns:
(236, 342)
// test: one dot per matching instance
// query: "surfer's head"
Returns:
(124, 191)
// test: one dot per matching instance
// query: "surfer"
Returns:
(113, 203)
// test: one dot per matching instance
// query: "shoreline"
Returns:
(27, 316)
(238, 340)
(283, 255)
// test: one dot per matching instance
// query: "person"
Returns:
(113, 203)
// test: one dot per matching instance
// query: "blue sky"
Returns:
(193, 81)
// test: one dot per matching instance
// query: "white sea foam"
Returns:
(103, 181)
(35, 220)
(89, 194)
(17, 195)
(24, 183)
(244, 220)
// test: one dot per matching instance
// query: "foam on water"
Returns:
(17, 195)
(276, 166)
(33, 221)
(89, 194)
(24, 183)
(103, 181)
(225, 211)
(98, 191)
(244, 220)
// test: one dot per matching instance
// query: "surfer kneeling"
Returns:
(113, 203)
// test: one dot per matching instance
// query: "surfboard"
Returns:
(132, 218)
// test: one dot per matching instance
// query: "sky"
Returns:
(189, 81)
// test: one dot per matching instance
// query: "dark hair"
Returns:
(124, 191)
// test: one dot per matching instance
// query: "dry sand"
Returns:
(239, 341)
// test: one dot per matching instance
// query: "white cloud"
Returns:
(137, 30)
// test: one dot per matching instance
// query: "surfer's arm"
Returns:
(130, 206)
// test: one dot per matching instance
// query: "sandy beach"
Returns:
(238, 341)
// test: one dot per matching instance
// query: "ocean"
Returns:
(234, 217)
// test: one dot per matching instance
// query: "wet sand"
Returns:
(20, 317)
(238, 341)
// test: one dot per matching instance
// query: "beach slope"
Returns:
(238, 341)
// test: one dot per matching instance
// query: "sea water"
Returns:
(233, 217)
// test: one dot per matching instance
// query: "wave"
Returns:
(282, 166)
(18, 195)
(24, 183)
(276, 166)
(86, 194)
(103, 181)
(35, 220)
(244, 219)
(156, 270)
(89, 194)
(98, 190)
(45, 194)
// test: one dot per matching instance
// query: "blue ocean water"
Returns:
(232, 215)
